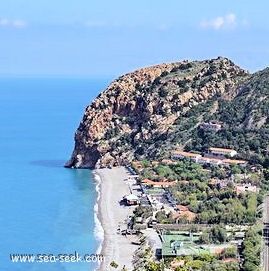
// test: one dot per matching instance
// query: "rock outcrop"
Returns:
(138, 111)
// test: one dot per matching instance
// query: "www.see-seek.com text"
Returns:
(51, 258)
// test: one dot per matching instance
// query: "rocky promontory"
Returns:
(140, 109)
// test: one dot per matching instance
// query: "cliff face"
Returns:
(138, 111)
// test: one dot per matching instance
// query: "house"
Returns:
(222, 152)
(184, 212)
(138, 166)
(211, 126)
(216, 156)
(182, 154)
(168, 162)
(218, 182)
(243, 188)
(209, 160)
(131, 199)
(157, 184)
(235, 162)
(188, 215)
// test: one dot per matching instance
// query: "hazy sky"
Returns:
(110, 38)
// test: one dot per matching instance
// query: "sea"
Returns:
(46, 210)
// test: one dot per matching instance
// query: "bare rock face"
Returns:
(142, 106)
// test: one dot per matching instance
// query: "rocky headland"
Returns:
(143, 113)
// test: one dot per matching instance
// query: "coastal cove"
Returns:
(45, 208)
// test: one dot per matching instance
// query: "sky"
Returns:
(85, 38)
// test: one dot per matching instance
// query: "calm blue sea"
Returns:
(44, 208)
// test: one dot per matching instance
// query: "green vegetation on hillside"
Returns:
(244, 120)
(252, 249)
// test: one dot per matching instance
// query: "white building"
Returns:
(211, 126)
(222, 152)
(182, 154)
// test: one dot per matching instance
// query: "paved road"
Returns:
(266, 258)
(266, 234)
(266, 210)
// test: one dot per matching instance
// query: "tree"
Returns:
(143, 211)
(163, 92)
(114, 264)
(219, 234)
(230, 252)
(160, 216)
(152, 266)
(204, 238)
(252, 249)
(235, 169)
(195, 264)
(146, 163)
(249, 266)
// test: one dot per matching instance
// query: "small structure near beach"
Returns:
(131, 199)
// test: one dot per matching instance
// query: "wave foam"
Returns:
(98, 229)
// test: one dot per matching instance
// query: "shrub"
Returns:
(114, 264)
(163, 92)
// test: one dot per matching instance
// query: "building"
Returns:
(182, 154)
(157, 184)
(234, 162)
(209, 160)
(138, 166)
(216, 156)
(221, 152)
(131, 199)
(211, 126)
(218, 161)
(243, 188)
(185, 213)
(168, 162)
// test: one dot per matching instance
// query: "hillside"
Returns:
(152, 111)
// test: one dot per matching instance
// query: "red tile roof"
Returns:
(190, 216)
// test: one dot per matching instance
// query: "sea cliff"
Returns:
(140, 113)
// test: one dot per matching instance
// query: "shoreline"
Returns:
(98, 229)
(112, 216)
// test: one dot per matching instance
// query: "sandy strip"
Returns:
(116, 247)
